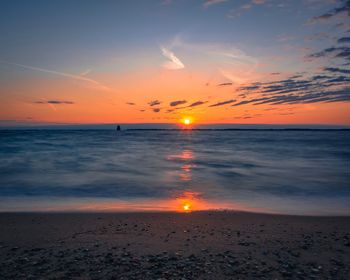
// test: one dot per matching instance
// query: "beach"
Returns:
(169, 245)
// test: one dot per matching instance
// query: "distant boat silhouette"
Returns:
(118, 127)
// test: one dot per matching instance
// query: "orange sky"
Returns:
(92, 104)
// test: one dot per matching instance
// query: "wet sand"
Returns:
(198, 245)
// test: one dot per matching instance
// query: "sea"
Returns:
(283, 171)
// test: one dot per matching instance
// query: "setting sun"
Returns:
(187, 207)
(186, 121)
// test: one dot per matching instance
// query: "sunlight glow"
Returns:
(187, 207)
(187, 121)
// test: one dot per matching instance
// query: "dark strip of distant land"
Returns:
(238, 129)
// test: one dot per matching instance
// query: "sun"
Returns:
(186, 121)
(187, 207)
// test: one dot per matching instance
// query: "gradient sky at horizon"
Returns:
(216, 61)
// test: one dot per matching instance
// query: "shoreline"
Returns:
(171, 245)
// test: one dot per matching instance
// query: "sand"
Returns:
(197, 245)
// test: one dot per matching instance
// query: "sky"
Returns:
(160, 61)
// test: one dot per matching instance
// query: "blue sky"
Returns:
(75, 33)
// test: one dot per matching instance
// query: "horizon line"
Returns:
(22, 122)
(172, 126)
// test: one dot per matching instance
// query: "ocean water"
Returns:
(304, 172)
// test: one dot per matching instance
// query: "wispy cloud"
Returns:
(154, 102)
(87, 71)
(175, 103)
(178, 102)
(223, 103)
(224, 84)
(335, 52)
(52, 103)
(337, 70)
(55, 102)
(97, 85)
(174, 63)
(344, 8)
(197, 103)
(237, 12)
(227, 58)
(344, 40)
(209, 3)
(293, 90)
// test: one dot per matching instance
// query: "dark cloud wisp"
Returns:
(55, 102)
(344, 40)
(224, 84)
(222, 103)
(154, 102)
(317, 88)
(197, 103)
(343, 8)
(177, 102)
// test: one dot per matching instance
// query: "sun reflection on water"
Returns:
(185, 170)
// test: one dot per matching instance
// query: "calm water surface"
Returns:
(295, 172)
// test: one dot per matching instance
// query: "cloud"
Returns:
(194, 104)
(227, 53)
(222, 58)
(317, 88)
(344, 40)
(337, 52)
(87, 71)
(55, 102)
(154, 102)
(222, 103)
(246, 102)
(197, 103)
(130, 103)
(225, 84)
(97, 85)
(286, 114)
(251, 87)
(209, 3)
(174, 63)
(337, 70)
(343, 8)
(339, 79)
(237, 12)
(178, 102)
(156, 110)
(244, 117)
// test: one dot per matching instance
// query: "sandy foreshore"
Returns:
(198, 245)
